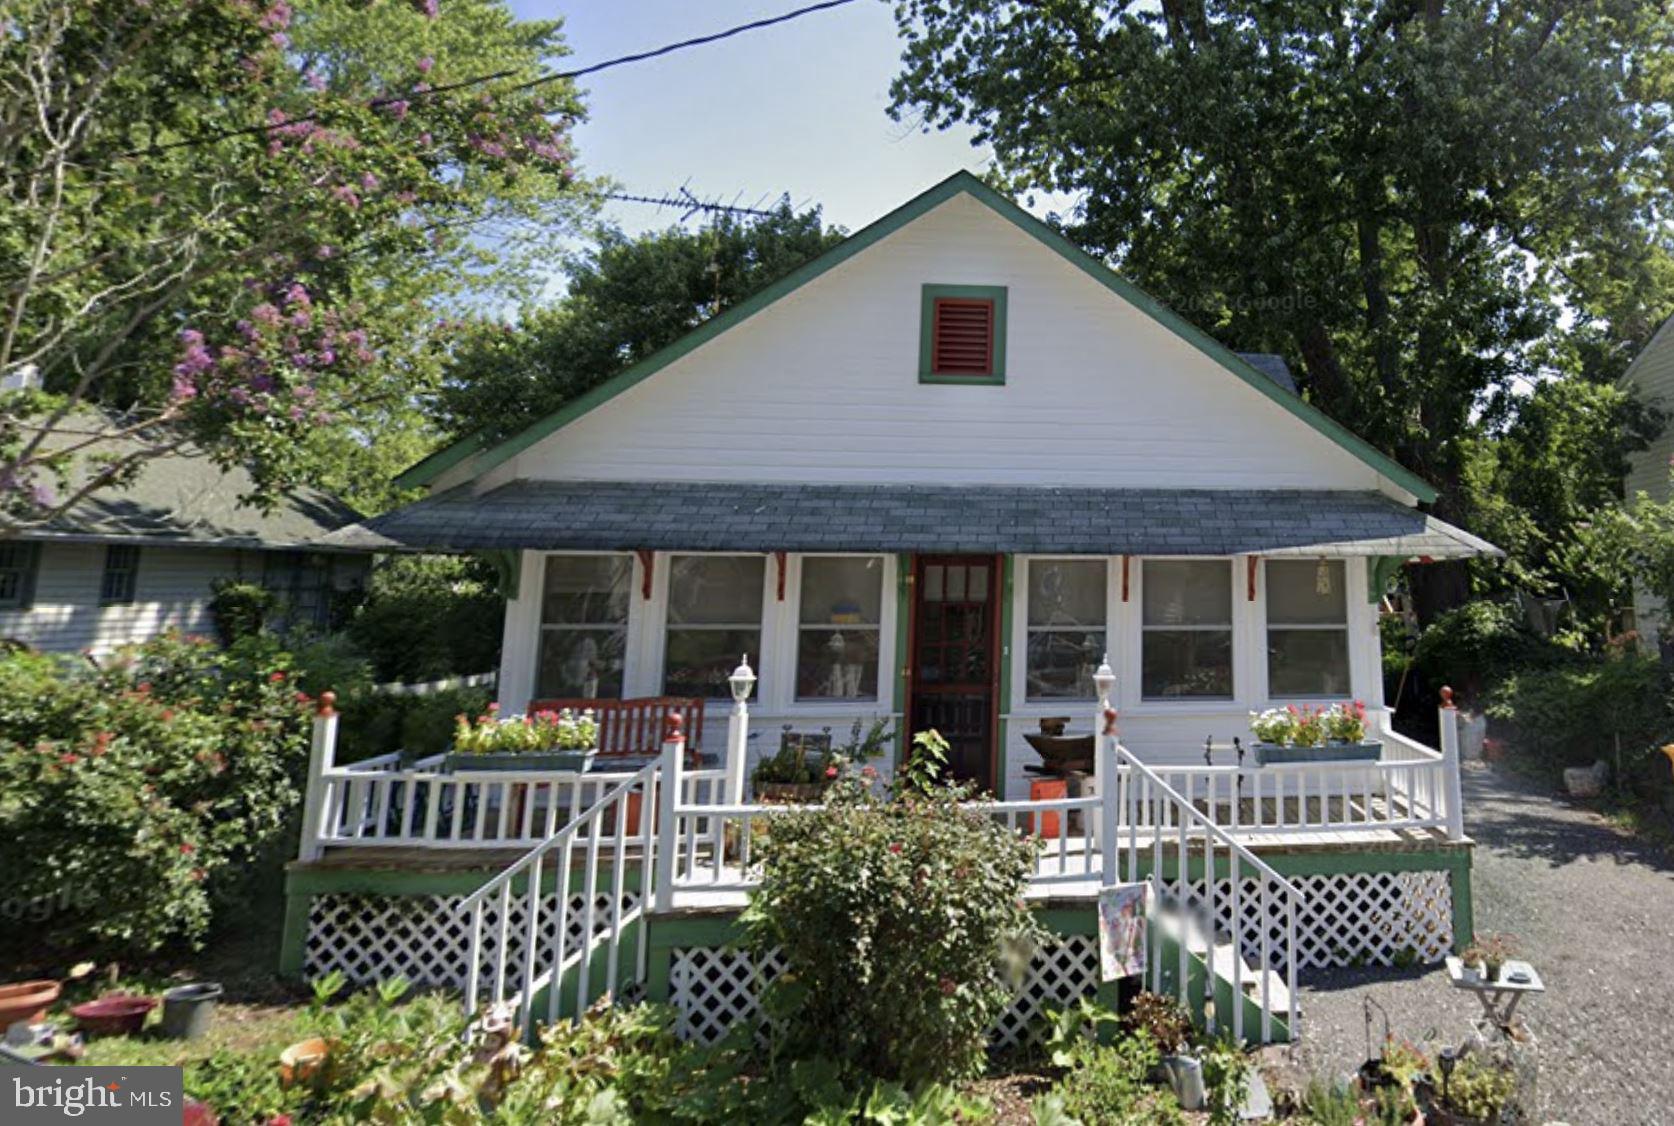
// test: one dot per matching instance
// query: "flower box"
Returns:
(1274, 754)
(455, 761)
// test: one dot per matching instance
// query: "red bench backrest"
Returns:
(633, 727)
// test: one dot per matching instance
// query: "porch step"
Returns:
(1218, 968)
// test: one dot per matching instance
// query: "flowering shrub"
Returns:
(540, 731)
(1310, 726)
(1271, 726)
(135, 797)
(894, 915)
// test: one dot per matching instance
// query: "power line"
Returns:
(481, 79)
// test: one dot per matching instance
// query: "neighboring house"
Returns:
(127, 564)
(1651, 377)
(937, 473)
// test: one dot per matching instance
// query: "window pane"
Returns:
(1194, 592)
(1066, 592)
(699, 661)
(1062, 663)
(1306, 592)
(587, 589)
(837, 664)
(1307, 662)
(1186, 663)
(581, 662)
(716, 590)
(842, 591)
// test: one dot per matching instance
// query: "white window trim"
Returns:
(541, 626)
(1134, 692)
(1021, 702)
(790, 642)
(1365, 648)
(659, 627)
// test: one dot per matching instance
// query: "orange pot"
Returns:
(27, 1001)
(302, 1061)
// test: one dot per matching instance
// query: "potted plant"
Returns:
(1169, 1026)
(806, 764)
(1313, 734)
(543, 740)
(27, 1001)
(1489, 953)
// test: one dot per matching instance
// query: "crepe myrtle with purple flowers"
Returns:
(241, 224)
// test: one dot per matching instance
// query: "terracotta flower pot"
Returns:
(117, 1014)
(302, 1061)
(27, 1001)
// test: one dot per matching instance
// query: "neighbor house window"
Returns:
(1307, 628)
(584, 625)
(18, 562)
(116, 588)
(1066, 627)
(303, 584)
(1186, 647)
(714, 619)
(962, 334)
(838, 626)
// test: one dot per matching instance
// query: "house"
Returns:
(954, 472)
(937, 473)
(1651, 377)
(124, 565)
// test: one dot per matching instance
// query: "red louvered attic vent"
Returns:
(962, 336)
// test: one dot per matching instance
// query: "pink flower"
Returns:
(187, 848)
(831, 772)
(949, 987)
(425, 64)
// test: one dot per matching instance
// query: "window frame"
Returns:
(933, 293)
(764, 624)
(1025, 630)
(542, 626)
(126, 577)
(1140, 629)
(28, 567)
(1344, 627)
(794, 627)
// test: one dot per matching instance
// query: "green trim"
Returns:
(1380, 574)
(1464, 910)
(960, 183)
(508, 570)
(903, 611)
(294, 937)
(432, 466)
(1008, 574)
(996, 377)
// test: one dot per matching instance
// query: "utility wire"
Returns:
(468, 83)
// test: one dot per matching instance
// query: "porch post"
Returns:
(1450, 767)
(1104, 770)
(738, 730)
(322, 756)
(668, 798)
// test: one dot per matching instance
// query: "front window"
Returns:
(838, 627)
(714, 618)
(18, 562)
(1066, 627)
(1186, 649)
(584, 626)
(1307, 628)
(116, 586)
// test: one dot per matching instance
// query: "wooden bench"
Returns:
(634, 727)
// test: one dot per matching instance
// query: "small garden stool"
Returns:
(1046, 789)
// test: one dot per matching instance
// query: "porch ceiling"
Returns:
(703, 516)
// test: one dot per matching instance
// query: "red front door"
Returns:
(954, 669)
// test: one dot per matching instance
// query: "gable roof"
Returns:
(489, 454)
(1664, 333)
(184, 498)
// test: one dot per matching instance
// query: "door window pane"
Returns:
(584, 626)
(1066, 634)
(839, 621)
(1186, 632)
(1307, 628)
(714, 619)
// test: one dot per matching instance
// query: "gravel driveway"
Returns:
(1593, 910)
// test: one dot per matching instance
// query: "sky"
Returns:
(799, 108)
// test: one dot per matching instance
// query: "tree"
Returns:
(230, 223)
(627, 298)
(1406, 197)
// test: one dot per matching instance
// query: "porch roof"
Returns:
(1004, 519)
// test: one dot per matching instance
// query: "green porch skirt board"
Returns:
(305, 883)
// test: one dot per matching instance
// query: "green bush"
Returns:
(1472, 646)
(1574, 715)
(376, 723)
(240, 609)
(135, 797)
(892, 915)
(426, 618)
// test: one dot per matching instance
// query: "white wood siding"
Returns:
(1159, 731)
(171, 591)
(823, 386)
(1652, 379)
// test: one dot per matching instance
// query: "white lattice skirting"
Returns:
(715, 987)
(425, 938)
(1361, 918)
